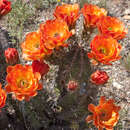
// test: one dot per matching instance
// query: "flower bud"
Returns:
(99, 77)
(5, 7)
(72, 85)
(11, 55)
(40, 66)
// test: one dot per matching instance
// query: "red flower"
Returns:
(12, 56)
(67, 12)
(72, 85)
(40, 66)
(112, 27)
(5, 7)
(105, 49)
(22, 82)
(99, 77)
(3, 96)
(105, 115)
(32, 47)
(92, 14)
(54, 33)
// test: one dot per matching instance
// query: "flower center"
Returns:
(103, 116)
(110, 28)
(37, 45)
(23, 84)
(103, 51)
(56, 34)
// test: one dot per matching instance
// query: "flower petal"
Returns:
(89, 118)
(91, 108)
(102, 100)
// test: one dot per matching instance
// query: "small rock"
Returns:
(127, 17)
(117, 85)
(127, 11)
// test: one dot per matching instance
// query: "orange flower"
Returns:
(3, 96)
(40, 66)
(54, 33)
(67, 12)
(105, 115)
(92, 14)
(5, 7)
(105, 49)
(32, 47)
(99, 77)
(112, 27)
(22, 82)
